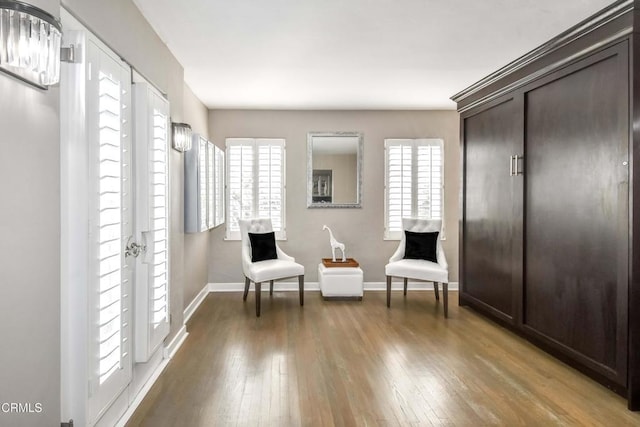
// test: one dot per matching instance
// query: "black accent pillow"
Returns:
(263, 246)
(421, 245)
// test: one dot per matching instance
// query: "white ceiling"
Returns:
(351, 54)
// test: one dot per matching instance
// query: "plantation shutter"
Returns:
(413, 182)
(428, 179)
(399, 184)
(159, 219)
(202, 170)
(270, 182)
(110, 226)
(255, 170)
(219, 186)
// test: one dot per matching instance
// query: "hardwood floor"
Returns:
(349, 363)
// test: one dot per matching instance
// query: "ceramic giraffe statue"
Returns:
(335, 244)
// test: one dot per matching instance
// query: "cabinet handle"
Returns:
(511, 166)
(518, 170)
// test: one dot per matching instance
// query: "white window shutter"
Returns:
(256, 183)
(210, 186)
(109, 224)
(219, 186)
(240, 183)
(270, 189)
(202, 178)
(413, 182)
(428, 179)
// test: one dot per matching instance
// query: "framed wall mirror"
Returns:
(334, 169)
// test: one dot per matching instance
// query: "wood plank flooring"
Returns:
(350, 363)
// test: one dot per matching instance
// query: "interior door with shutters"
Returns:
(110, 227)
(152, 220)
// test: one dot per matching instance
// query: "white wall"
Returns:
(30, 249)
(360, 229)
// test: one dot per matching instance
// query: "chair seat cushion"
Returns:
(274, 269)
(417, 269)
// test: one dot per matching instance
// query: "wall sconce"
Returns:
(181, 137)
(29, 43)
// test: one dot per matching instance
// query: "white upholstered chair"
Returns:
(269, 270)
(419, 269)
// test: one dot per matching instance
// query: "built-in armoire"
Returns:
(549, 235)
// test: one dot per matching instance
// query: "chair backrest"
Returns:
(423, 226)
(253, 225)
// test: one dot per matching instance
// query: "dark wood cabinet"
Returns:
(547, 243)
(492, 245)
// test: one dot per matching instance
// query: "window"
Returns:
(255, 183)
(413, 182)
(203, 186)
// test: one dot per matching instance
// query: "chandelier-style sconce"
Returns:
(181, 136)
(29, 43)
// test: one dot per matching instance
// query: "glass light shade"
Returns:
(181, 137)
(29, 43)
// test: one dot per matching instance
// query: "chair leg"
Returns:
(405, 285)
(301, 289)
(388, 291)
(246, 288)
(258, 292)
(435, 290)
(445, 297)
(271, 288)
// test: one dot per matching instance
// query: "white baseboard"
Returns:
(169, 351)
(142, 394)
(313, 286)
(278, 286)
(175, 344)
(193, 305)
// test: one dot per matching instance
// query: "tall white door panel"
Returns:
(110, 226)
(97, 226)
(152, 220)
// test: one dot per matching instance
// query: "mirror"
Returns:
(334, 170)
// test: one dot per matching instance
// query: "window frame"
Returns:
(413, 143)
(254, 143)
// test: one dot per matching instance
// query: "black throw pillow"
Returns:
(263, 246)
(421, 245)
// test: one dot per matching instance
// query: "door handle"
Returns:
(510, 165)
(134, 249)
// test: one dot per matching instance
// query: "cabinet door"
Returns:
(492, 209)
(576, 234)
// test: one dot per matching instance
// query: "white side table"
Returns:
(341, 282)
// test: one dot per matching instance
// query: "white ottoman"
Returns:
(340, 282)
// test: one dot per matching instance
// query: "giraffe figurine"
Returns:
(335, 244)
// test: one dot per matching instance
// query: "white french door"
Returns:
(108, 111)
(114, 226)
(152, 220)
